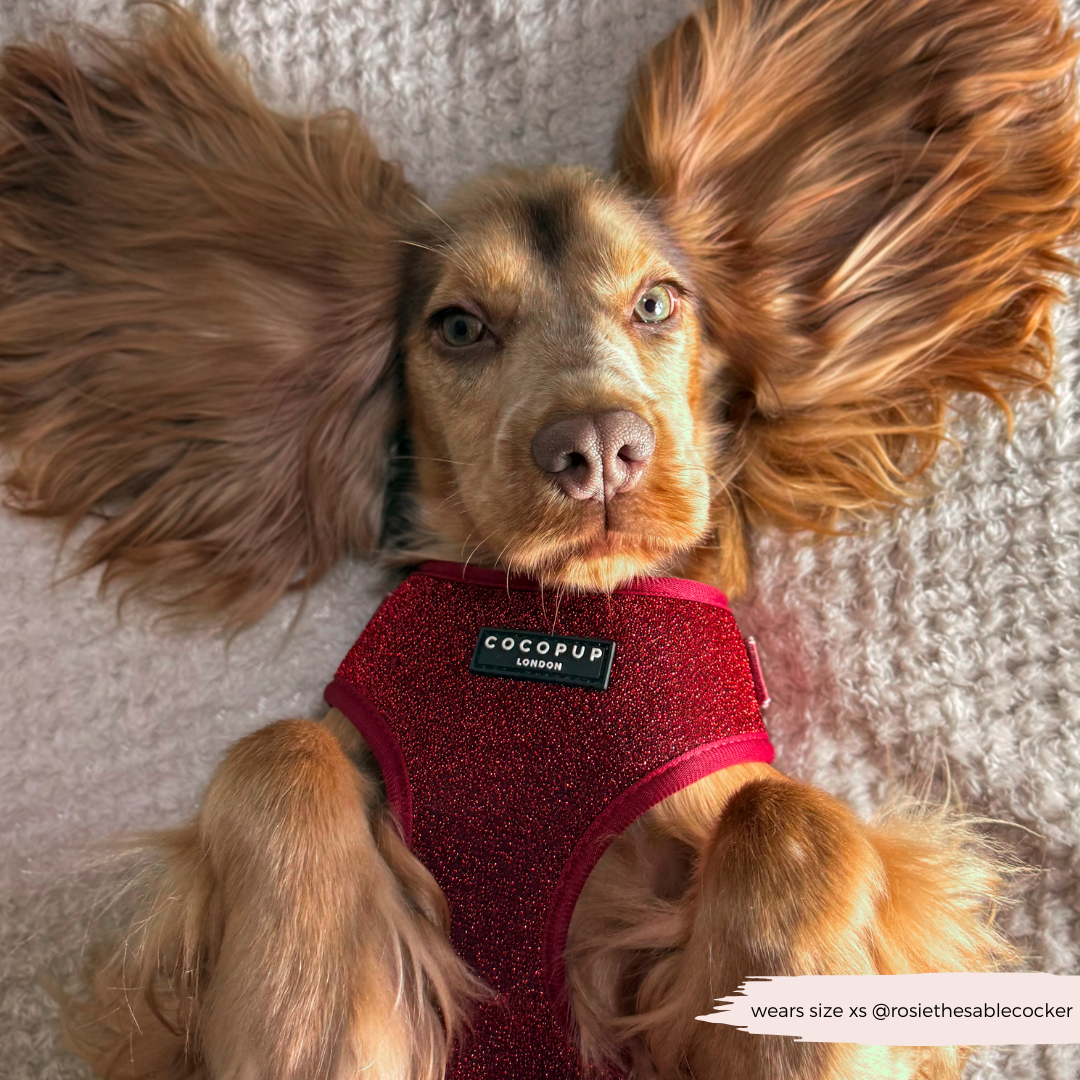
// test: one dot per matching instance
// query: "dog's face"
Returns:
(552, 372)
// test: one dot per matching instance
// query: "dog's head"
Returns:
(553, 377)
(226, 328)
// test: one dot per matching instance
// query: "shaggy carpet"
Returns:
(937, 649)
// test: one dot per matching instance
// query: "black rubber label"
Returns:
(523, 654)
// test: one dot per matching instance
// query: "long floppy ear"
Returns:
(198, 303)
(871, 195)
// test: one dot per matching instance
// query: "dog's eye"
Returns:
(655, 305)
(460, 328)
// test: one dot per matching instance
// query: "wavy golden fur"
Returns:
(163, 350)
(873, 197)
(223, 332)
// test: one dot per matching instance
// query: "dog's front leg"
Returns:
(750, 873)
(289, 935)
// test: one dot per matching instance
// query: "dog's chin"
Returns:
(599, 564)
(583, 548)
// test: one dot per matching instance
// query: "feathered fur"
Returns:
(873, 198)
(198, 318)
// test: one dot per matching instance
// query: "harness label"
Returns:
(523, 654)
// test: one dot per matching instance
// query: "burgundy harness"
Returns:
(509, 789)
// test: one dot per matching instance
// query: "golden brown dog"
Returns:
(241, 340)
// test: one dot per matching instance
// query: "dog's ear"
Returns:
(198, 302)
(871, 196)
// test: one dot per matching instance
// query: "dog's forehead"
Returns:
(504, 239)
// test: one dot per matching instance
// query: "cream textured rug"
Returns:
(941, 645)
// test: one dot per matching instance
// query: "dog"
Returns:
(242, 340)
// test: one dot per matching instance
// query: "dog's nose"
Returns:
(596, 455)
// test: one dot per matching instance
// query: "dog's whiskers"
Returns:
(475, 549)
(423, 247)
(421, 457)
(438, 217)
(455, 494)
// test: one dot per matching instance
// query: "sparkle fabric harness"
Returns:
(509, 789)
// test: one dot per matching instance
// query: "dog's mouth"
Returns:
(594, 547)
(609, 549)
